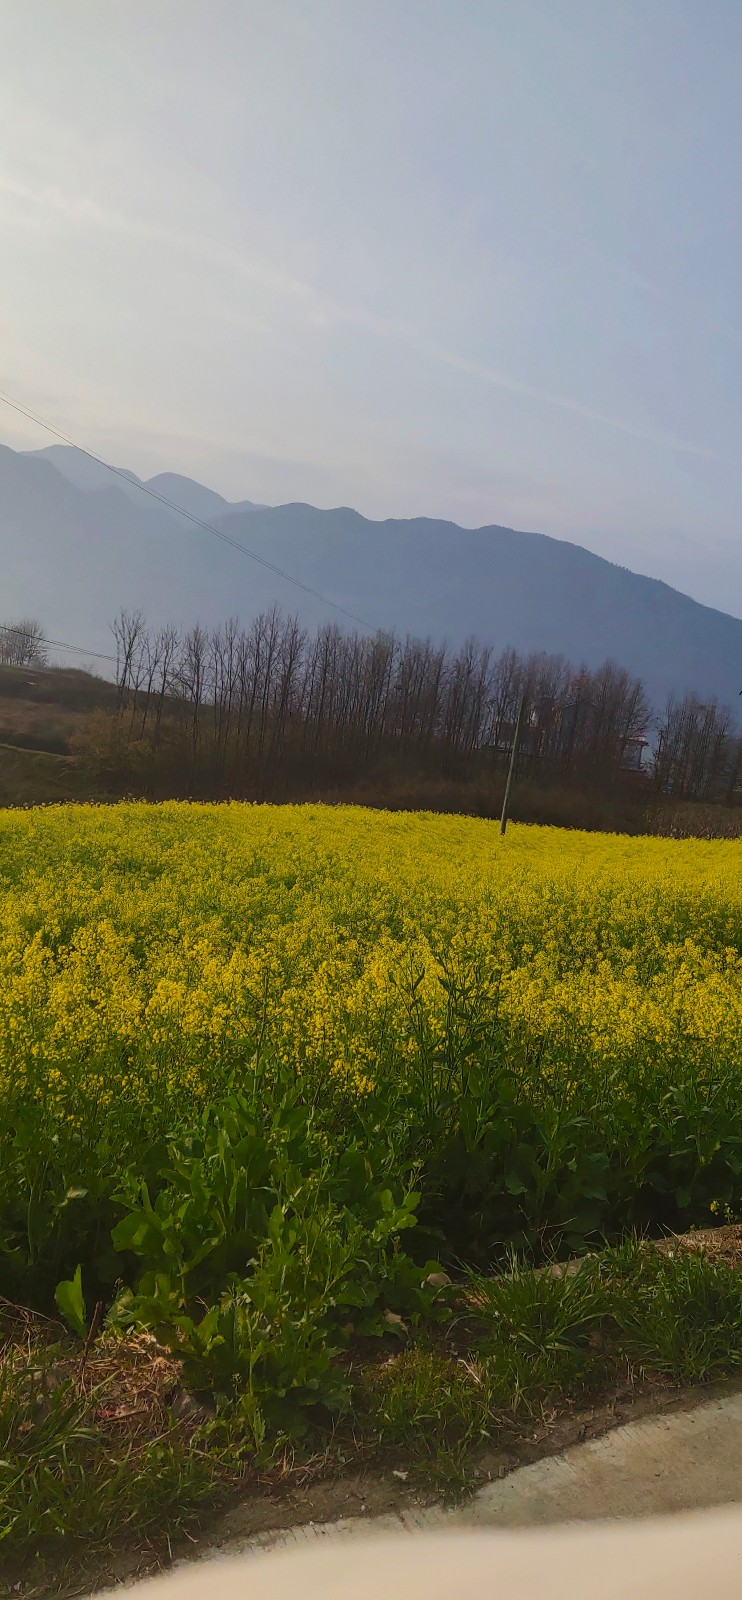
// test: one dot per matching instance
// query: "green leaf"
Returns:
(71, 1302)
(134, 1232)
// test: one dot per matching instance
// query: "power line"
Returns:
(59, 644)
(208, 527)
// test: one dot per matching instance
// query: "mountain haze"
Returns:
(77, 543)
(86, 473)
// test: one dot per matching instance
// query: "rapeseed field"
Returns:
(146, 952)
(280, 1086)
(233, 1034)
(152, 957)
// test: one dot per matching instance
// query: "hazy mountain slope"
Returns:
(74, 555)
(86, 473)
(79, 469)
(193, 497)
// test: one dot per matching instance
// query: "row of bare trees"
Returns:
(224, 710)
(229, 707)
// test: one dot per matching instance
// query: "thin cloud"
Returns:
(323, 310)
(77, 208)
(547, 397)
(502, 380)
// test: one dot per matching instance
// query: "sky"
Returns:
(473, 259)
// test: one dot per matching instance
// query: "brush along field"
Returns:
(271, 1076)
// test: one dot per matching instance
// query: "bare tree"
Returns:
(191, 681)
(128, 630)
(697, 754)
(22, 644)
(167, 646)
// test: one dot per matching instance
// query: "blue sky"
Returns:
(478, 259)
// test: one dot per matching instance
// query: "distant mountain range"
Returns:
(78, 542)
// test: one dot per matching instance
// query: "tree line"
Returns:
(246, 711)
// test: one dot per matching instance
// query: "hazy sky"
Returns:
(478, 259)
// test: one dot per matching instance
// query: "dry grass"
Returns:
(129, 1385)
(103, 1460)
(37, 726)
(37, 777)
(717, 1244)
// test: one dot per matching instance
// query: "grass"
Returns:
(532, 1339)
(92, 1456)
(68, 689)
(41, 709)
(96, 1456)
(38, 777)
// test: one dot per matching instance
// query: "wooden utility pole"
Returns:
(513, 759)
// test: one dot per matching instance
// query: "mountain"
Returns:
(76, 545)
(192, 496)
(86, 473)
(80, 469)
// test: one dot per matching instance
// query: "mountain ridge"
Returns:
(74, 555)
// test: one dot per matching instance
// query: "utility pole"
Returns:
(513, 760)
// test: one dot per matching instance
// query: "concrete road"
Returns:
(682, 1461)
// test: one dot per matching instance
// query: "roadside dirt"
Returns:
(296, 1495)
(719, 1244)
(374, 1492)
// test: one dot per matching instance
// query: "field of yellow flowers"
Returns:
(290, 1085)
(254, 1051)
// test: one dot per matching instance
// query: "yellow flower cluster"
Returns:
(149, 953)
